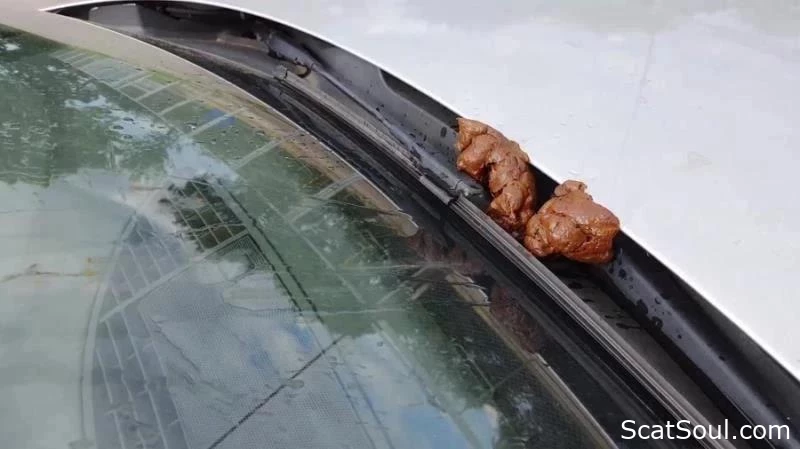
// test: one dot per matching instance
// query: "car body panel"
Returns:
(680, 116)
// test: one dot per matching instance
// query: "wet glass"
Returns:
(181, 268)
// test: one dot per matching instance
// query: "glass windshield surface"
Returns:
(181, 268)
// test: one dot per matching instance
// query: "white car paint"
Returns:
(681, 116)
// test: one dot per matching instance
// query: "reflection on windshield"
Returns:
(212, 277)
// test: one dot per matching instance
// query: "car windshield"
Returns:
(185, 268)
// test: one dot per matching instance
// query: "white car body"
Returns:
(682, 119)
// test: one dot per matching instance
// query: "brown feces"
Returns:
(570, 224)
(493, 160)
(573, 225)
